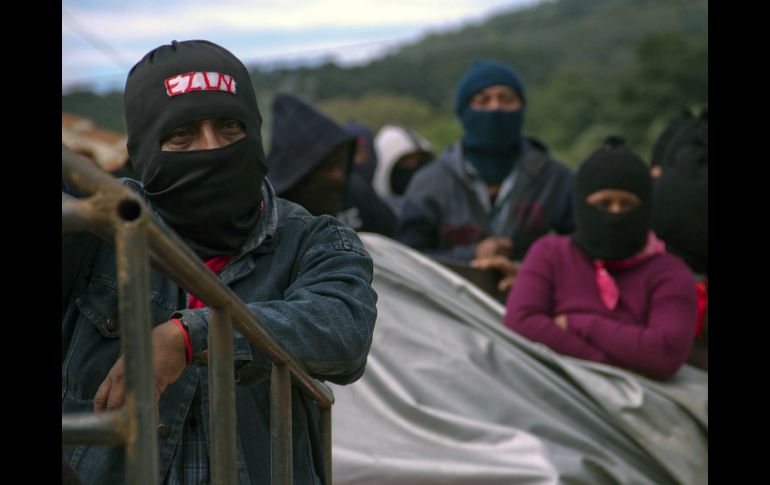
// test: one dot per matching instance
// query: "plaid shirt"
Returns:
(190, 465)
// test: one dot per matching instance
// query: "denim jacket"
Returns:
(308, 281)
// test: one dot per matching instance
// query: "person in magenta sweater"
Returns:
(609, 292)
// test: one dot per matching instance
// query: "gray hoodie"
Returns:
(391, 143)
(443, 215)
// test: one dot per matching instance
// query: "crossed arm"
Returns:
(657, 348)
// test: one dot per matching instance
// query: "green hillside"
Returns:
(591, 67)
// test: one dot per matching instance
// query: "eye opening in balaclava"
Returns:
(603, 235)
(209, 197)
(222, 132)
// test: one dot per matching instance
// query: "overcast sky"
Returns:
(102, 39)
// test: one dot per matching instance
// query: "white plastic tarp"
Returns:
(451, 396)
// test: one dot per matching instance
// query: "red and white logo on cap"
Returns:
(199, 81)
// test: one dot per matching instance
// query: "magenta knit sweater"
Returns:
(650, 331)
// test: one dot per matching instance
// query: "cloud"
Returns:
(264, 30)
(190, 18)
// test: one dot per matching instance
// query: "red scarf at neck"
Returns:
(608, 289)
(215, 264)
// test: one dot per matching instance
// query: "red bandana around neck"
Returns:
(608, 289)
(215, 264)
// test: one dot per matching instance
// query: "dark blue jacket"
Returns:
(363, 209)
(442, 215)
(307, 280)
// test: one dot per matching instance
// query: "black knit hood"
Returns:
(600, 234)
(210, 197)
(153, 108)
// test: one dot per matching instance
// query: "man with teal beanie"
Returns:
(492, 134)
(489, 196)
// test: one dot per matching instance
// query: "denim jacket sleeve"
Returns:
(326, 316)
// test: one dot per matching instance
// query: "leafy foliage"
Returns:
(106, 110)
(591, 67)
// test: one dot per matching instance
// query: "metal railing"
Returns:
(116, 213)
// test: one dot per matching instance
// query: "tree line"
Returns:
(591, 68)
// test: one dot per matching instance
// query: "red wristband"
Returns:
(187, 341)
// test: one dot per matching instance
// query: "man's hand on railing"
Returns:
(170, 359)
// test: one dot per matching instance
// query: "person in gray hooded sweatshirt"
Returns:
(494, 192)
(401, 152)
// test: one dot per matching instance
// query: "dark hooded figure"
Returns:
(310, 163)
(365, 156)
(680, 215)
(609, 292)
(664, 140)
(195, 144)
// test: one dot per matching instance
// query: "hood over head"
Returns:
(301, 138)
(391, 143)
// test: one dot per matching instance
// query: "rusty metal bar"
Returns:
(106, 428)
(326, 439)
(190, 273)
(136, 342)
(97, 207)
(84, 175)
(174, 259)
(222, 402)
(187, 269)
(81, 215)
(281, 461)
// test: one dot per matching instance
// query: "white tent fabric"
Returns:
(451, 396)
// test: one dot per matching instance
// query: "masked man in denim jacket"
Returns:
(194, 140)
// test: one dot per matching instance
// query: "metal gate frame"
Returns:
(116, 213)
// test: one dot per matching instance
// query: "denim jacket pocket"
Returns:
(99, 304)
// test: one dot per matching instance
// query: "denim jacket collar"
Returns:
(267, 225)
(261, 240)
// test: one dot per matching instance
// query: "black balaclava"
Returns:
(210, 198)
(600, 234)
(680, 214)
(400, 177)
